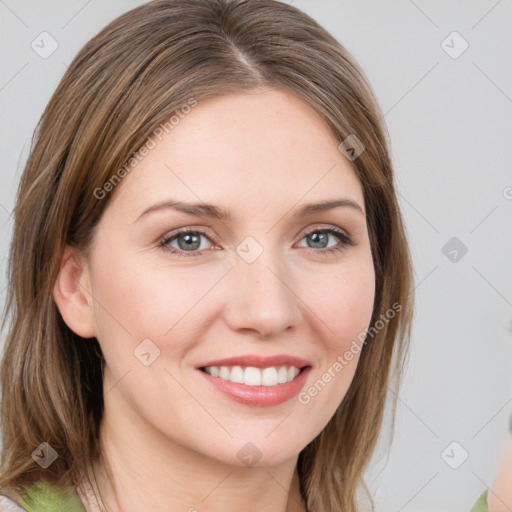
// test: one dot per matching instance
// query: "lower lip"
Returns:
(259, 396)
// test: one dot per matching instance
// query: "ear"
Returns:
(72, 294)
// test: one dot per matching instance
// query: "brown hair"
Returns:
(124, 83)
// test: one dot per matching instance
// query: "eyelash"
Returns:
(346, 241)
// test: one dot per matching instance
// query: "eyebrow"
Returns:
(212, 211)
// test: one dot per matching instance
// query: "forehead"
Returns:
(262, 148)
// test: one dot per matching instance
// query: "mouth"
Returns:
(253, 376)
(255, 380)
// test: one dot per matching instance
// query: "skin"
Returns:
(170, 439)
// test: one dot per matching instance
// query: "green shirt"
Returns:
(44, 497)
(481, 504)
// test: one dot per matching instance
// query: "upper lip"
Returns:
(259, 361)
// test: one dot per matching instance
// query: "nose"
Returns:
(261, 298)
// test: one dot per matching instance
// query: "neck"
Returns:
(148, 471)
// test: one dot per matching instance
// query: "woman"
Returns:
(210, 285)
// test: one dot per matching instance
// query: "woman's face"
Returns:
(254, 279)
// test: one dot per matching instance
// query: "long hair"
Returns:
(128, 80)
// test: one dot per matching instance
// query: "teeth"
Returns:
(237, 374)
(252, 376)
(282, 375)
(269, 377)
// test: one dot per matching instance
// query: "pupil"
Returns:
(319, 238)
(190, 242)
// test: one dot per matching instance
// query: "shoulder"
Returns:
(9, 505)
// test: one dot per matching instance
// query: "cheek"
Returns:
(344, 300)
(343, 304)
(136, 301)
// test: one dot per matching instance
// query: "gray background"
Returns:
(450, 122)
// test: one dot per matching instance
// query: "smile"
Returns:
(252, 376)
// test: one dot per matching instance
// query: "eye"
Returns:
(186, 241)
(189, 242)
(319, 239)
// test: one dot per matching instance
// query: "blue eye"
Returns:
(188, 242)
(320, 238)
